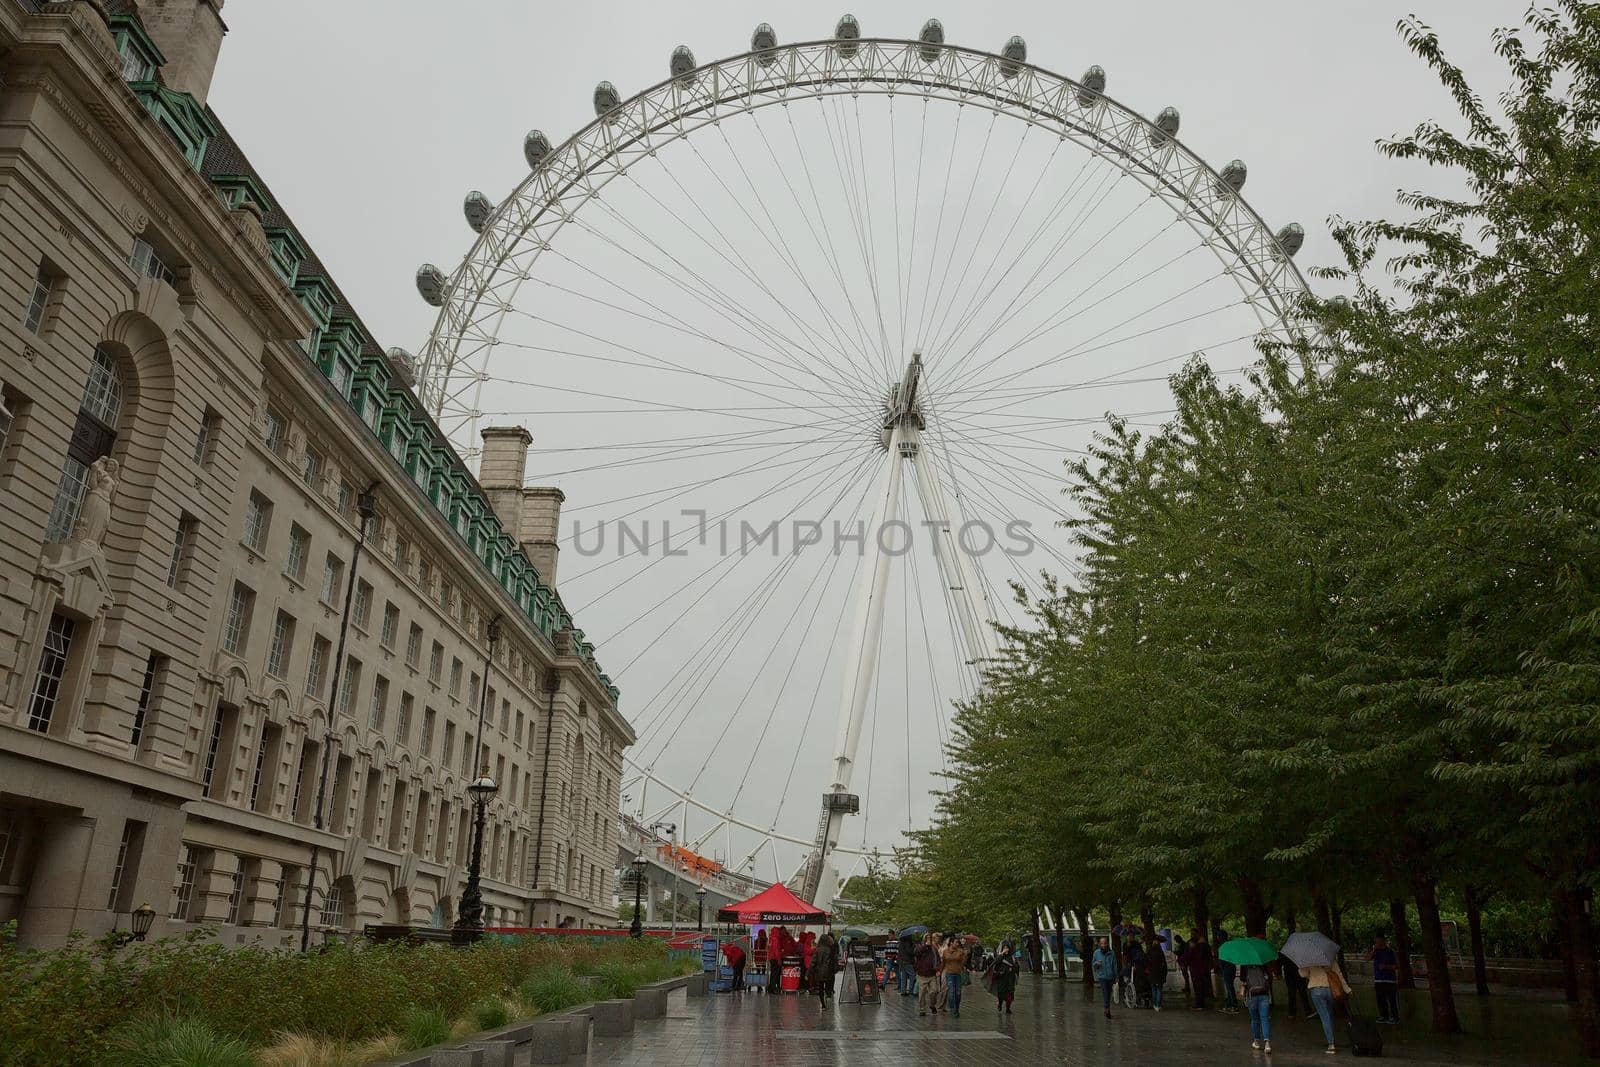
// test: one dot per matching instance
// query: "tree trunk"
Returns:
(1480, 972)
(1579, 933)
(1038, 942)
(1336, 916)
(1084, 949)
(1564, 932)
(1116, 933)
(1061, 945)
(1202, 912)
(1319, 908)
(1255, 907)
(1445, 1020)
(1147, 912)
(1402, 942)
(1289, 920)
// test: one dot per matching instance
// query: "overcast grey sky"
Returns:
(371, 120)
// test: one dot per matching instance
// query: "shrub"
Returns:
(554, 988)
(164, 1041)
(619, 980)
(425, 1027)
(490, 1014)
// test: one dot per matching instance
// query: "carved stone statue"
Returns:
(96, 511)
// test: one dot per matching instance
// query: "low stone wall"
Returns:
(1521, 974)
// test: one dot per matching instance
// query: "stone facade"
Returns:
(191, 414)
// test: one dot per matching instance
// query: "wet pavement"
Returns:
(1053, 1024)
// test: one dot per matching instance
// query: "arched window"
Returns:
(92, 438)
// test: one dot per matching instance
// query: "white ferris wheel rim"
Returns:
(483, 288)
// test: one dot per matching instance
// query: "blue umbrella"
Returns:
(915, 931)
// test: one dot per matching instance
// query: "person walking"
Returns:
(1181, 953)
(1134, 979)
(1155, 964)
(1385, 980)
(925, 961)
(824, 966)
(1104, 966)
(1256, 980)
(1228, 973)
(1327, 984)
(1002, 976)
(1199, 969)
(1294, 988)
(906, 968)
(758, 956)
(954, 959)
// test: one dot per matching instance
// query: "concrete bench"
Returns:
(649, 1003)
(612, 1018)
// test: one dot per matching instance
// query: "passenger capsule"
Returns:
(1232, 177)
(404, 365)
(1012, 56)
(847, 33)
(683, 65)
(764, 42)
(1166, 126)
(1291, 237)
(432, 285)
(932, 36)
(1340, 303)
(477, 209)
(535, 148)
(606, 99)
(1094, 85)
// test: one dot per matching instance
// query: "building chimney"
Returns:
(189, 34)
(541, 521)
(500, 472)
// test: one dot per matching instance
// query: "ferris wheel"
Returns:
(807, 335)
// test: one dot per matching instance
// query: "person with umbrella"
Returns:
(905, 971)
(1155, 962)
(1252, 956)
(1002, 978)
(1317, 956)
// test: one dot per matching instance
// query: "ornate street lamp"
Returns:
(637, 929)
(139, 921)
(700, 909)
(366, 509)
(469, 916)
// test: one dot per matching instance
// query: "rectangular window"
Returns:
(235, 897)
(455, 677)
(282, 644)
(147, 263)
(205, 437)
(435, 662)
(402, 724)
(257, 520)
(340, 377)
(402, 553)
(318, 666)
(347, 497)
(155, 669)
(349, 684)
(52, 668)
(274, 432)
(333, 907)
(472, 689)
(380, 700)
(208, 772)
(311, 467)
(300, 799)
(69, 498)
(428, 717)
(128, 829)
(467, 754)
(135, 67)
(449, 743)
(236, 629)
(519, 729)
(294, 565)
(286, 884)
(391, 624)
(361, 614)
(413, 646)
(33, 317)
(183, 889)
(262, 780)
(182, 547)
(332, 579)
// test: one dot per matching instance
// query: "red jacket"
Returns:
(733, 954)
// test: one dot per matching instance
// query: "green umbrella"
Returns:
(1247, 951)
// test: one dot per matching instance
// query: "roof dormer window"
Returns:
(138, 53)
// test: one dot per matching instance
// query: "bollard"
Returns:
(612, 1018)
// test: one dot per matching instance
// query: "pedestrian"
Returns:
(1228, 973)
(1002, 978)
(1133, 969)
(925, 961)
(758, 954)
(1181, 952)
(1155, 963)
(1104, 966)
(1327, 984)
(1385, 980)
(1256, 979)
(735, 957)
(824, 966)
(1294, 988)
(1035, 954)
(775, 953)
(954, 958)
(905, 969)
(1199, 969)
(808, 948)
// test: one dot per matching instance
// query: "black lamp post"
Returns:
(367, 509)
(139, 921)
(469, 917)
(637, 928)
(700, 909)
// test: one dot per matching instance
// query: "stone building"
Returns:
(192, 413)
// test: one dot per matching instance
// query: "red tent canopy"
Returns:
(773, 905)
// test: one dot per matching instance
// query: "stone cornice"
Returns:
(29, 744)
(68, 57)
